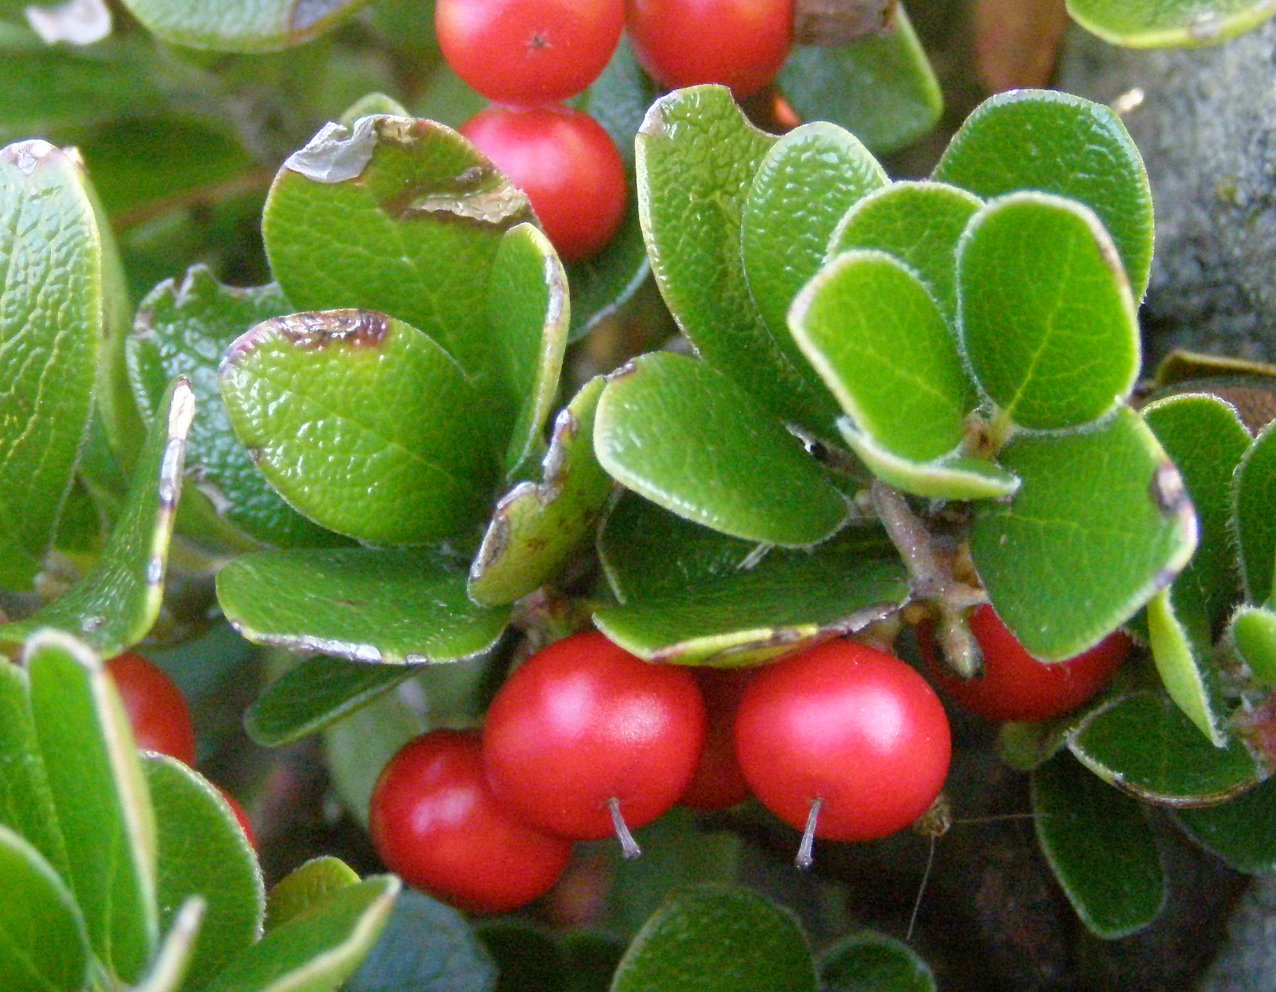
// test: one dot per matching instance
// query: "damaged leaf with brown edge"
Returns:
(537, 528)
(364, 424)
(398, 215)
(241, 25)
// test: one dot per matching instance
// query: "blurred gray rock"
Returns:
(1247, 962)
(1206, 126)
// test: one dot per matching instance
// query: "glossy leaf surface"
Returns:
(52, 310)
(241, 25)
(398, 607)
(1099, 524)
(1058, 143)
(1046, 317)
(1162, 24)
(1145, 745)
(685, 436)
(116, 603)
(362, 423)
(1100, 847)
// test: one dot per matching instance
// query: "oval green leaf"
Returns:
(401, 216)
(1045, 313)
(1058, 143)
(1238, 831)
(307, 887)
(881, 88)
(685, 436)
(116, 603)
(715, 938)
(697, 157)
(1253, 495)
(100, 800)
(1100, 848)
(1146, 746)
(317, 693)
(183, 327)
(45, 947)
(394, 607)
(873, 962)
(1172, 24)
(919, 223)
(52, 312)
(363, 423)
(241, 25)
(537, 528)
(1100, 523)
(203, 852)
(805, 183)
(883, 348)
(318, 950)
(1253, 633)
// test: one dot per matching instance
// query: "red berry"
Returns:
(156, 709)
(583, 727)
(738, 43)
(718, 782)
(1016, 686)
(850, 726)
(435, 822)
(566, 164)
(240, 815)
(528, 51)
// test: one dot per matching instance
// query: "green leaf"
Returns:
(1099, 524)
(1062, 144)
(537, 528)
(116, 603)
(425, 947)
(1145, 745)
(1253, 495)
(1179, 634)
(359, 746)
(317, 951)
(203, 852)
(396, 607)
(169, 966)
(307, 887)
(883, 348)
(26, 803)
(873, 962)
(1100, 847)
(948, 477)
(100, 799)
(1253, 633)
(1168, 23)
(317, 693)
(618, 100)
(805, 183)
(52, 314)
(183, 327)
(528, 958)
(697, 157)
(1206, 441)
(762, 612)
(241, 25)
(920, 223)
(685, 436)
(45, 947)
(1027, 746)
(717, 939)
(398, 215)
(881, 88)
(362, 423)
(1046, 317)
(529, 313)
(1238, 831)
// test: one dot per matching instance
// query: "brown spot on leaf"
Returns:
(1167, 490)
(318, 329)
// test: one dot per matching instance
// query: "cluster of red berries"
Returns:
(529, 55)
(584, 739)
(160, 718)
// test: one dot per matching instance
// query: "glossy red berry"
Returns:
(155, 706)
(850, 726)
(583, 727)
(528, 51)
(1016, 686)
(718, 782)
(435, 822)
(738, 43)
(566, 164)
